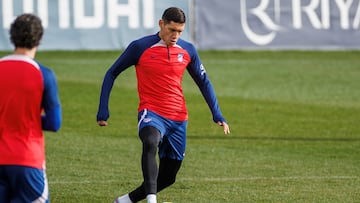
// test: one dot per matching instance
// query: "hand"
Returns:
(225, 126)
(102, 123)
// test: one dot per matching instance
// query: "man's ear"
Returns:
(161, 23)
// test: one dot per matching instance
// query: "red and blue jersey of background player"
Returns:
(159, 71)
(29, 104)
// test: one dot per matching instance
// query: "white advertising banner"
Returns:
(88, 24)
(277, 24)
(211, 24)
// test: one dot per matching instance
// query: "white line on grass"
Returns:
(214, 179)
(269, 178)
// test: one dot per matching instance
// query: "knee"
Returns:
(150, 137)
(167, 172)
(170, 181)
(164, 182)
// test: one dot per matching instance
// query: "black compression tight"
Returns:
(155, 179)
(150, 138)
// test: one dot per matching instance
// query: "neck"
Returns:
(25, 51)
(160, 35)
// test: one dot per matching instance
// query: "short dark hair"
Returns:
(26, 31)
(174, 14)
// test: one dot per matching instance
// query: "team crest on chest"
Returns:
(180, 57)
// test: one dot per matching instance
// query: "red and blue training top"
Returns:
(159, 71)
(26, 89)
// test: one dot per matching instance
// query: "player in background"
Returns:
(29, 104)
(160, 61)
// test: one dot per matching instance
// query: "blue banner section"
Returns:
(89, 24)
(277, 24)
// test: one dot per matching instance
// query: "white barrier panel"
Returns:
(88, 24)
(277, 24)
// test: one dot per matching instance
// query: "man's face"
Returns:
(170, 32)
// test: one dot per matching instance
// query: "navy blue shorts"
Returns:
(173, 134)
(23, 184)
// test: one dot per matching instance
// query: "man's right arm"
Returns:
(126, 59)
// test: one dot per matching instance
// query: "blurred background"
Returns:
(211, 24)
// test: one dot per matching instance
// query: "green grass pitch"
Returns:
(294, 119)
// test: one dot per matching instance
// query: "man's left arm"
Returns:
(52, 117)
(199, 75)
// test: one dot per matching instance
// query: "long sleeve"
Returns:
(127, 58)
(52, 118)
(198, 73)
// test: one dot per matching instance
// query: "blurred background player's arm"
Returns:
(52, 117)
